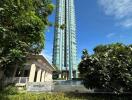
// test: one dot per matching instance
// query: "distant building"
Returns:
(64, 49)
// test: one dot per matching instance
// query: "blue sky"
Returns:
(98, 22)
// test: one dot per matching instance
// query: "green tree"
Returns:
(110, 68)
(22, 25)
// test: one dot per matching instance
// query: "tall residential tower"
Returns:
(64, 49)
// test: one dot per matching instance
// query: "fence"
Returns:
(70, 86)
(58, 86)
(17, 80)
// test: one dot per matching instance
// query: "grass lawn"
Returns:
(12, 93)
(39, 96)
(59, 96)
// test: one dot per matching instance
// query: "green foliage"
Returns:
(10, 90)
(37, 96)
(109, 68)
(22, 25)
(62, 26)
(56, 25)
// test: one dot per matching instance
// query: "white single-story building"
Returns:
(36, 69)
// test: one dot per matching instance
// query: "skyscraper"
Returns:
(64, 49)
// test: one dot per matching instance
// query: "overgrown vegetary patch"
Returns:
(11, 93)
(61, 96)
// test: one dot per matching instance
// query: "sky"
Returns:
(98, 22)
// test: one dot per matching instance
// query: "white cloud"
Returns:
(47, 55)
(120, 9)
(110, 35)
(126, 23)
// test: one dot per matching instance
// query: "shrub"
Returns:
(10, 90)
(108, 69)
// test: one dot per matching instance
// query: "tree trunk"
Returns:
(15, 70)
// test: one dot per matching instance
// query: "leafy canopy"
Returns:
(110, 68)
(22, 25)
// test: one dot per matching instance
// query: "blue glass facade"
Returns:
(64, 49)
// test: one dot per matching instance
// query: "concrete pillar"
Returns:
(43, 76)
(76, 74)
(59, 75)
(32, 73)
(38, 75)
(50, 76)
(47, 76)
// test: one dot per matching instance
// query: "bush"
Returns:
(109, 68)
(10, 90)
